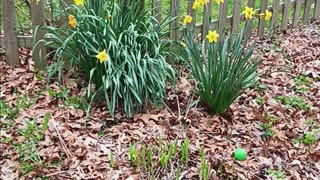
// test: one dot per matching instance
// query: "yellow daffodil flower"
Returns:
(248, 12)
(212, 36)
(78, 2)
(102, 56)
(187, 19)
(219, 1)
(268, 15)
(196, 4)
(72, 21)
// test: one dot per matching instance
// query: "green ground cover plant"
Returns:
(29, 157)
(121, 49)
(294, 102)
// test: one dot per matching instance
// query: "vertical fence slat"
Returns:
(37, 18)
(156, 9)
(316, 14)
(297, 9)
(274, 18)
(249, 23)
(263, 7)
(223, 10)
(285, 16)
(236, 16)
(191, 11)
(306, 14)
(10, 32)
(174, 9)
(206, 16)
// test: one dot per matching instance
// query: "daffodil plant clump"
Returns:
(120, 48)
(222, 68)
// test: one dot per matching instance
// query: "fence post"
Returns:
(236, 16)
(285, 16)
(156, 9)
(316, 14)
(274, 18)
(307, 9)
(191, 11)
(249, 25)
(223, 10)
(174, 10)
(205, 21)
(10, 32)
(296, 13)
(37, 18)
(263, 7)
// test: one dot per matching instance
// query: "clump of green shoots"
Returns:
(185, 150)
(204, 169)
(111, 159)
(133, 155)
(166, 153)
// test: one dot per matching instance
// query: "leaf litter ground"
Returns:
(271, 121)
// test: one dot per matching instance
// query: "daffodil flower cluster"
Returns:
(249, 12)
(101, 56)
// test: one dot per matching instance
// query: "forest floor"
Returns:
(45, 131)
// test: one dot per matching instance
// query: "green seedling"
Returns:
(270, 119)
(310, 123)
(204, 169)
(260, 87)
(266, 129)
(260, 101)
(143, 158)
(310, 137)
(150, 155)
(164, 158)
(302, 80)
(185, 150)
(178, 172)
(111, 159)
(28, 152)
(294, 102)
(133, 155)
(174, 147)
(101, 133)
(277, 174)
(63, 94)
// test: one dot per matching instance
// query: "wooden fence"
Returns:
(281, 19)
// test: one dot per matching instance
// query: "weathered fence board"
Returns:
(206, 16)
(174, 10)
(156, 9)
(274, 18)
(306, 16)
(285, 15)
(296, 17)
(236, 16)
(263, 7)
(10, 39)
(37, 18)
(316, 14)
(191, 11)
(223, 9)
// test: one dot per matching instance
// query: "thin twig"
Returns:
(166, 106)
(55, 173)
(63, 144)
